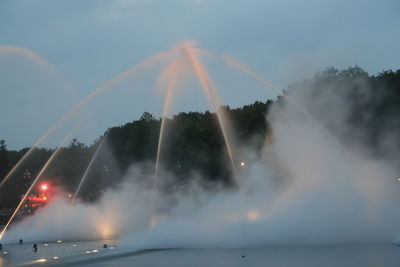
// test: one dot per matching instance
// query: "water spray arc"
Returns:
(89, 167)
(189, 54)
(44, 168)
(211, 93)
(85, 100)
(175, 72)
(172, 72)
(249, 72)
(189, 59)
(28, 54)
(241, 67)
(270, 214)
(152, 60)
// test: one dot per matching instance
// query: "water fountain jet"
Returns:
(44, 168)
(89, 167)
(211, 93)
(251, 73)
(85, 100)
(172, 73)
(30, 55)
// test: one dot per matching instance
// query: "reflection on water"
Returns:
(50, 252)
(327, 256)
(68, 253)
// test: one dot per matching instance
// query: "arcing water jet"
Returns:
(89, 166)
(26, 53)
(175, 71)
(213, 98)
(315, 186)
(248, 71)
(84, 101)
(19, 51)
(171, 73)
(44, 168)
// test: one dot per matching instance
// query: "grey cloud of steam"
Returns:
(304, 189)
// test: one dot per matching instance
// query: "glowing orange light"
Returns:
(105, 230)
(44, 187)
(253, 215)
(44, 198)
(69, 195)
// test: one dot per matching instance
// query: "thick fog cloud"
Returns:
(305, 188)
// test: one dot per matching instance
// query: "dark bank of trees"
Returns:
(369, 106)
(194, 142)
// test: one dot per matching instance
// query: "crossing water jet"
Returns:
(211, 93)
(85, 100)
(175, 71)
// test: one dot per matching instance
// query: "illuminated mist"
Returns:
(303, 189)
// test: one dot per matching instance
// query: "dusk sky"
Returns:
(90, 42)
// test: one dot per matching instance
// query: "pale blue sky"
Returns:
(92, 41)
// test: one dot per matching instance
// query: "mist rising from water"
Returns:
(304, 189)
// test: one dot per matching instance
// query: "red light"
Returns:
(44, 187)
(69, 195)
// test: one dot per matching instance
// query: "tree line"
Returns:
(194, 141)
